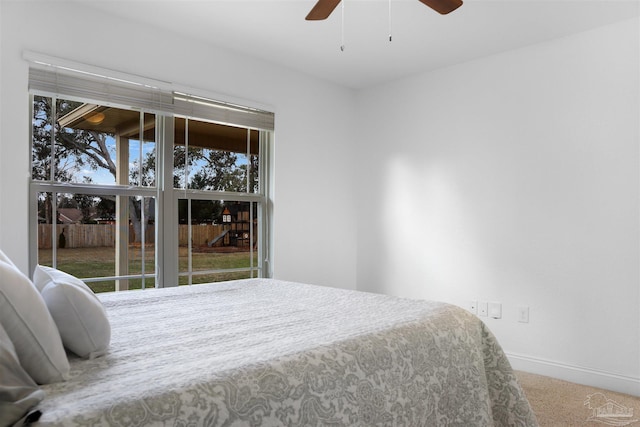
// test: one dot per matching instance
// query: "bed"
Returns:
(263, 352)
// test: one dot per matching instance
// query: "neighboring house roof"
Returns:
(69, 215)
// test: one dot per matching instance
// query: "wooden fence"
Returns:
(77, 235)
(101, 235)
(201, 234)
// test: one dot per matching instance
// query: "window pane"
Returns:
(141, 249)
(92, 143)
(83, 241)
(85, 143)
(41, 143)
(218, 158)
(254, 176)
(86, 236)
(223, 236)
(142, 156)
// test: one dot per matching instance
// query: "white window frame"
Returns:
(57, 78)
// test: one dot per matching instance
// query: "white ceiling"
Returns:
(276, 31)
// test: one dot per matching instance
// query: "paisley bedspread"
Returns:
(263, 352)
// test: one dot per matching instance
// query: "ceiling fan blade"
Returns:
(443, 6)
(322, 10)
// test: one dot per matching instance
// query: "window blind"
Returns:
(75, 84)
(85, 83)
(222, 112)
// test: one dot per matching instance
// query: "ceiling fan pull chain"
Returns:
(390, 32)
(342, 36)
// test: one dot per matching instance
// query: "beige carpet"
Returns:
(561, 403)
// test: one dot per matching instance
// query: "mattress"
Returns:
(273, 353)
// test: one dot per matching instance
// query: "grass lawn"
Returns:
(100, 262)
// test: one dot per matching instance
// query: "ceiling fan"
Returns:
(323, 8)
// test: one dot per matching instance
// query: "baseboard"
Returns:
(576, 374)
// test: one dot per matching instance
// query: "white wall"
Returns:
(515, 178)
(306, 191)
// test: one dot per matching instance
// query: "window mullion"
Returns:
(168, 266)
(143, 219)
(248, 171)
(189, 243)
(52, 175)
(186, 154)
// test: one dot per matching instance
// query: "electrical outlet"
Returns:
(523, 314)
(483, 309)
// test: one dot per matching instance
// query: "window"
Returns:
(152, 190)
(217, 167)
(94, 192)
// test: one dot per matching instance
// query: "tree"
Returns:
(148, 170)
(218, 171)
(86, 205)
(41, 160)
(254, 175)
(202, 211)
(106, 208)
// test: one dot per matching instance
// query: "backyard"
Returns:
(100, 262)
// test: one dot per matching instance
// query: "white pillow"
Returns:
(77, 311)
(41, 277)
(18, 392)
(25, 318)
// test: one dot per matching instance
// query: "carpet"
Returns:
(558, 403)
